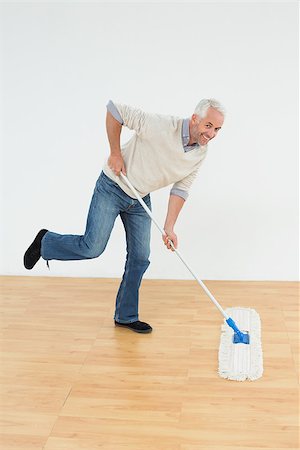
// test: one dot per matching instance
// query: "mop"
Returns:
(240, 352)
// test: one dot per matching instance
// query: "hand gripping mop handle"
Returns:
(230, 321)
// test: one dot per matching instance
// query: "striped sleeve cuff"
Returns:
(179, 193)
(114, 111)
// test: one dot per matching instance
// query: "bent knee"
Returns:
(93, 251)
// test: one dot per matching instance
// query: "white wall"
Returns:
(61, 63)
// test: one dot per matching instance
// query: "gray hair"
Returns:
(205, 104)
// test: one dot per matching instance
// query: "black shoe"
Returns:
(138, 327)
(33, 253)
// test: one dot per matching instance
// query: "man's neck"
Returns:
(191, 140)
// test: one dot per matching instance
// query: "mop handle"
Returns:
(141, 201)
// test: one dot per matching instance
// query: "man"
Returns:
(164, 150)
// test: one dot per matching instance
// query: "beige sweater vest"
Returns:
(154, 157)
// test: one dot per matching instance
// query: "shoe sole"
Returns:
(132, 329)
(28, 252)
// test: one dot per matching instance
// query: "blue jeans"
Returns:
(107, 203)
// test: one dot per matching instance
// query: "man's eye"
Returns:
(207, 125)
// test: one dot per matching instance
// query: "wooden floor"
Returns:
(70, 380)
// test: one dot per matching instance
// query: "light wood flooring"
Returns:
(70, 380)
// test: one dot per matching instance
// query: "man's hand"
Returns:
(174, 207)
(116, 164)
(170, 236)
(115, 161)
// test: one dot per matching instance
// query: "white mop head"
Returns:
(240, 361)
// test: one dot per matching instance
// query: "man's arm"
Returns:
(175, 205)
(113, 128)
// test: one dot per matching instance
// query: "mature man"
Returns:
(164, 150)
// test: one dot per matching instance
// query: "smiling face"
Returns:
(204, 130)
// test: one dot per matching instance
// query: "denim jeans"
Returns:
(107, 203)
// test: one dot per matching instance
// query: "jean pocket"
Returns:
(147, 200)
(104, 180)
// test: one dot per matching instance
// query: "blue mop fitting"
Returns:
(238, 337)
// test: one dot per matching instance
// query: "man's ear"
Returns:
(195, 118)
